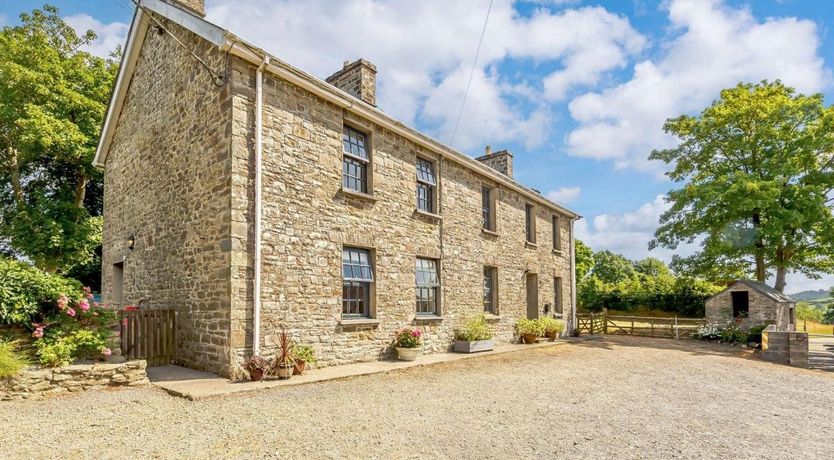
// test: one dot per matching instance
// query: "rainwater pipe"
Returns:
(256, 282)
(572, 277)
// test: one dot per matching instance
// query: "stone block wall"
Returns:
(763, 310)
(33, 384)
(167, 183)
(308, 219)
(784, 347)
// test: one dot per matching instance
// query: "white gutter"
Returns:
(256, 283)
(572, 278)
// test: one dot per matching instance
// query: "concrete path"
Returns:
(821, 352)
(193, 385)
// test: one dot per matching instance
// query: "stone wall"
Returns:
(167, 183)
(763, 310)
(308, 219)
(785, 347)
(31, 384)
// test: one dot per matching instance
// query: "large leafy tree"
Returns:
(584, 260)
(612, 268)
(756, 170)
(53, 97)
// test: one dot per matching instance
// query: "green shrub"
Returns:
(474, 329)
(304, 353)
(27, 293)
(552, 325)
(733, 334)
(11, 362)
(529, 326)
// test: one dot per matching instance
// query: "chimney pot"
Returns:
(488, 150)
(357, 78)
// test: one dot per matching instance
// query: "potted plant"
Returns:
(552, 327)
(256, 366)
(474, 336)
(407, 342)
(285, 358)
(529, 329)
(304, 355)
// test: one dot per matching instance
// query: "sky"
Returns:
(577, 90)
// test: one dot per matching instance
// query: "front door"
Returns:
(532, 296)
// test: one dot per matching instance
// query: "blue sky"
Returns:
(577, 90)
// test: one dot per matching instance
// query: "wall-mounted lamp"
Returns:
(131, 242)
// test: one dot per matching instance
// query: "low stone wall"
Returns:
(38, 383)
(789, 348)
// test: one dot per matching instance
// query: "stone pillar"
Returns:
(358, 79)
(785, 347)
(798, 348)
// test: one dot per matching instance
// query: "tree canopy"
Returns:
(53, 98)
(756, 170)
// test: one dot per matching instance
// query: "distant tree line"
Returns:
(609, 280)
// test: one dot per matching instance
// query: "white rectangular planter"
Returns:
(474, 347)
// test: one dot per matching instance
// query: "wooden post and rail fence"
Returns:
(603, 323)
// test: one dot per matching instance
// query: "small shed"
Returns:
(751, 303)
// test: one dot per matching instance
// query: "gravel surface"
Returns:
(623, 397)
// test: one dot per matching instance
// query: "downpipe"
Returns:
(256, 282)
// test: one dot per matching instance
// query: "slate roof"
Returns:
(763, 289)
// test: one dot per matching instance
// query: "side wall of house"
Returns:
(308, 219)
(167, 184)
(763, 310)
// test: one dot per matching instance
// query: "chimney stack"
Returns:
(197, 7)
(357, 78)
(501, 161)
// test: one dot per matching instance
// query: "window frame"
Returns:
(364, 164)
(530, 223)
(433, 287)
(556, 228)
(558, 296)
(429, 185)
(488, 208)
(493, 290)
(367, 284)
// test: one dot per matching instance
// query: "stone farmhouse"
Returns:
(250, 196)
(751, 303)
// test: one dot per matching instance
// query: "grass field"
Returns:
(812, 327)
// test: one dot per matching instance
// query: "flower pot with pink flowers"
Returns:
(408, 343)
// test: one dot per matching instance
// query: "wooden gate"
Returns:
(592, 323)
(149, 335)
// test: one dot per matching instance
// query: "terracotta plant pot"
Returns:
(551, 335)
(407, 354)
(529, 338)
(256, 375)
(285, 372)
(299, 367)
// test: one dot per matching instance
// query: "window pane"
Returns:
(356, 265)
(528, 218)
(425, 172)
(354, 175)
(489, 289)
(353, 142)
(486, 207)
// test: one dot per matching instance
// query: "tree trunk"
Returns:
(14, 175)
(761, 269)
(780, 279)
(80, 190)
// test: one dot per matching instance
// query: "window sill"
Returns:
(531, 244)
(427, 318)
(557, 252)
(489, 232)
(346, 322)
(428, 215)
(491, 317)
(359, 195)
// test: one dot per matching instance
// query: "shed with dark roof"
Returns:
(751, 303)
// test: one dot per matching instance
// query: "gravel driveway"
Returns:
(623, 397)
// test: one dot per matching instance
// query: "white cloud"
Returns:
(716, 47)
(629, 233)
(564, 194)
(109, 36)
(424, 52)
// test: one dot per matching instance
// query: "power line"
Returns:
(471, 74)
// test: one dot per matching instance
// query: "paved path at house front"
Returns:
(191, 384)
(617, 397)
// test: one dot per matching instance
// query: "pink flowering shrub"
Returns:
(76, 329)
(408, 338)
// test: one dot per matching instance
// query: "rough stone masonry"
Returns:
(179, 181)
